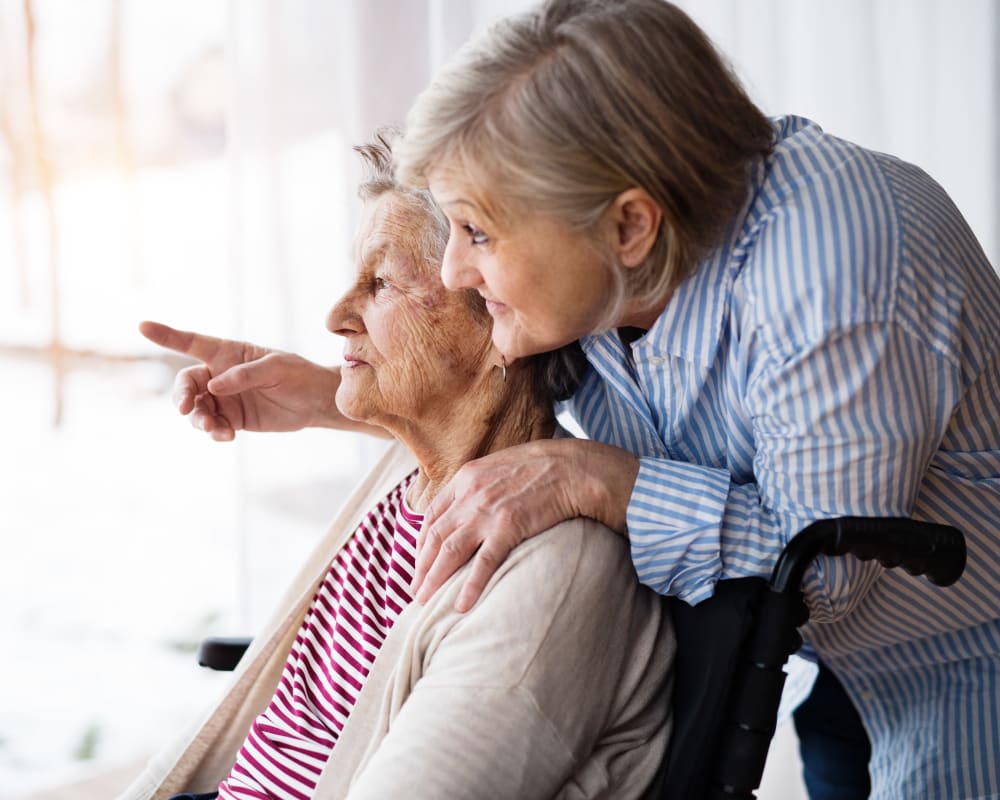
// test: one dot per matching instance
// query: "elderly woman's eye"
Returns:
(476, 236)
(378, 284)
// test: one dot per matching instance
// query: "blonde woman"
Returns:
(781, 326)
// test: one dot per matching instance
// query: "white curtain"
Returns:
(916, 78)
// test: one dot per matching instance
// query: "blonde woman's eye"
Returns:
(379, 284)
(476, 236)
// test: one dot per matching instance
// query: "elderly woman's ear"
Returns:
(635, 217)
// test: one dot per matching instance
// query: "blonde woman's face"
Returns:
(545, 285)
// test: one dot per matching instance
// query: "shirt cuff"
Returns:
(674, 522)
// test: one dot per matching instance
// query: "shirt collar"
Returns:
(691, 325)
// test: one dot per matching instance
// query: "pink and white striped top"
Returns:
(362, 595)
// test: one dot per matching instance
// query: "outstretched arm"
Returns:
(241, 386)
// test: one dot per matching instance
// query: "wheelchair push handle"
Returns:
(921, 548)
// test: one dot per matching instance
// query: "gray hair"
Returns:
(379, 178)
(560, 110)
(552, 376)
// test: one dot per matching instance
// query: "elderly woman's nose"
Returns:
(343, 318)
(456, 272)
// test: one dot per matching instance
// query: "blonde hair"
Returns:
(560, 110)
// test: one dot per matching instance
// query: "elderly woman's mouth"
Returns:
(354, 361)
(495, 307)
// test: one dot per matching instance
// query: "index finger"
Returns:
(196, 345)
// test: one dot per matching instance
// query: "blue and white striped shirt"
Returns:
(839, 354)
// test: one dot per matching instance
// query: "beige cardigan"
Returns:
(555, 685)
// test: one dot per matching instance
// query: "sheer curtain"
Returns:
(916, 78)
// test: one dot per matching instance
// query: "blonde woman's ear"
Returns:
(636, 216)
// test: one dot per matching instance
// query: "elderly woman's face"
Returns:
(412, 347)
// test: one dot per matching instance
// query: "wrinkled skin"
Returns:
(412, 347)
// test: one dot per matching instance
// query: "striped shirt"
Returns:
(838, 354)
(362, 595)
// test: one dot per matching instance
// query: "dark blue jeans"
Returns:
(832, 741)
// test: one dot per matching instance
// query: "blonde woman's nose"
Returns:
(456, 270)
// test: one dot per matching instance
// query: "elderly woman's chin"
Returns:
(352, 403)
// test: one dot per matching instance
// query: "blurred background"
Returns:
(189, 161)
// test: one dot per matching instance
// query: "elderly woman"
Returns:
(555, 685)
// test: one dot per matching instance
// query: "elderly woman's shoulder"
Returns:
(578, 548)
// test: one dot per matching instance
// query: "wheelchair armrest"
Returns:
(222, 653)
